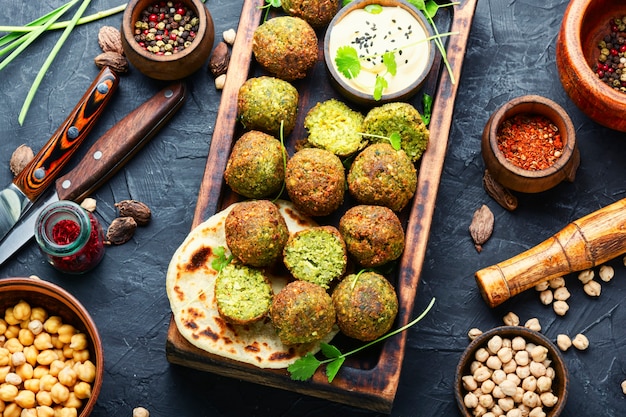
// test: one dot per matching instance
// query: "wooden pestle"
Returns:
(589, 241)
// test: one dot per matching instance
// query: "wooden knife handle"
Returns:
(120, 143)
(52, 158)
(589, 241)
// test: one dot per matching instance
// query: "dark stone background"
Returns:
(511, 52)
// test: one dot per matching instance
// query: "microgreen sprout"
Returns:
(284, 153)
(268, 5)
(394, 139)
(305, 367)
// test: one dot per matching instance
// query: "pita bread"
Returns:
(190, 285)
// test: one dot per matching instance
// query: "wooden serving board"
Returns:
(370, 380)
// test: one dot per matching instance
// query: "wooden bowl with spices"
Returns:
(55, 344)
(590, 54)
(529, 145)
(168, 40)
(354, 45)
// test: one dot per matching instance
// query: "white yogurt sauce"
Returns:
(394, 29)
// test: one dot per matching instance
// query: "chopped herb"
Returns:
(427, 101)
(221, 260)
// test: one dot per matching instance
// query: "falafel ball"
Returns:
(243, 294)
(286, 46)
(256, 232)
(264, 102)
(255, 167)
(366, 305)
(334, 126)
(401, 118)
(315, 181)
(318, 13)
(317, 254)
(302, 312)
(373, 234)
(382, 176)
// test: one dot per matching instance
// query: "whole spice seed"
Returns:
(166, 28)
(530, 141)
(121, 230)
(110, 40)
(20, 158)
(612, 59)
(135, 209)
(481, 227)
(218, 63)
(498, 192)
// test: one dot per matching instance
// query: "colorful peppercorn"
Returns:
(166, 28)
(612, 57)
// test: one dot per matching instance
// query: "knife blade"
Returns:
(16, 199)
(105, 157)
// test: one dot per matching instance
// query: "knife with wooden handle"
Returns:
(40, 173)
(585, 243)
(106, 156)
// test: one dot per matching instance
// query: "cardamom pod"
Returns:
(498, 192)
(481, 227)
(121, 230)
(139, 211)
(220, 58)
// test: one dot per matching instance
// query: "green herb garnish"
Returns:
(305, 367)
(268, 5)
(221, 260)
(427, 101)
(394, 139)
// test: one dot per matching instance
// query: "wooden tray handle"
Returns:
(582, 244)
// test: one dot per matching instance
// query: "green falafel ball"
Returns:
(263, 103)
(334, 126)
(316, 255)
(401, 118)
(317, 12)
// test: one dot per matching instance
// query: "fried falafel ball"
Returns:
(243, 294)
(366, 305)
(255, 168)
(318, 13)
(315, 181)
(317, 254)
(373, 234)
(263, 103)
(380, 175)
(302, 312)
(334, 126)
(256, 232)
(285, 46)
(401, 118)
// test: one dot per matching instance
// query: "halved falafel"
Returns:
(302, 312)
(334, 126)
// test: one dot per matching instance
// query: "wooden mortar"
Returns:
(589, 241)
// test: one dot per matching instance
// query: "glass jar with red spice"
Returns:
(70, 237)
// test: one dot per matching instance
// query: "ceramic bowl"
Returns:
(584, 24)
(168, 67)
(57, 301)
(560, 383)
(405, 89)
(524, 180)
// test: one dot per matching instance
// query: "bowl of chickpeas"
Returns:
(512, 371)
(51, 357)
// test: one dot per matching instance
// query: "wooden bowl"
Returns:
(584, 24)
(57, 301)
(560, 383)
(524, 180)
(415, 77)
(168, 67)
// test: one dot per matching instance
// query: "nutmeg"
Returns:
(113, 60)
(110, 40)
(139, 211)
(20, 158)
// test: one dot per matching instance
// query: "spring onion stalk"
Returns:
(4, 40)
(53, 53)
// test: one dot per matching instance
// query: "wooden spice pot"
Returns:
(584, 24)
(168, 67)
(519, 179)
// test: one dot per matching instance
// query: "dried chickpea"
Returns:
(516, 412)
(542, 286)
(580, 342)
(56, 343)
(40, 371)
(45, 411)
(544, 384)
(560, 307)
(82, 390)
(494, 344)
(531, 399)
(25, 371)
(8, 392)
(32, 385)
(46, 357)
(537, 369)
(21, 310)
(26, 337)
(481, 374)
(522, 371)
(9, 317)
(43, 341)
(487, 386)
(592, 288)
(533, 324)
(561, 293)
(537, 412)
(13, 379)
(25, 399)
(586, 276)
(546, 297)
(52, 324)
(606, 273)
(60, 393)
(474, 333)
(46, 382)
(78, 341)
(509, 367)
(481, 355)
(623, 385)
(86, 371)
(12, 332)
(498, 376)
(66, 412)
(80, 355)
(29, 412)
(493, 362)
(44, 398)
(508, 387)
(486, 401)
(35, 326)
(68, 352)
(13, 345)
(5, 356)
(511, 319)
(65, 332)
(30, 354)
(18, 358)
(12, 410)
(56, 366)
(73, 401)
(563, 342)
(67, 377)
(141, 412)
(3, 326)
(522, 358)
(539, 353)
(506, 403)
(557, 282)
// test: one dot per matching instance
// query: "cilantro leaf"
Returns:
(395, 140)
(330, 351)
(374, 8)
(304, 368)
(346, 2)
(221, 260)
(347, 60)
(389, 60)
(428, 105)
(274, 3)
(333, 368)
(379, 87)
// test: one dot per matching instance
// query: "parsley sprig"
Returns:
(221, 260)
(305, 367)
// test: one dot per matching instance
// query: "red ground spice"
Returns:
(65, 232)
(530, 141)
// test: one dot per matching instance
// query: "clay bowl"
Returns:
(168, 67)
(584, 24)
(57, 301)
(560, 382)
(524, 180)
(411, 82)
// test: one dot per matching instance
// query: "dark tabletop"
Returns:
(511, 52)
